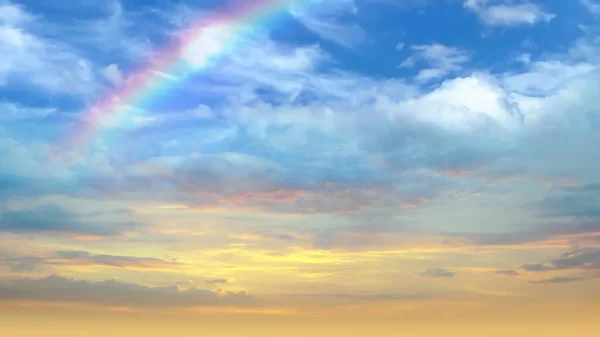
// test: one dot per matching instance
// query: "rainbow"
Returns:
(215, 35)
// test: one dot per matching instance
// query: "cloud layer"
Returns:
(334, 157)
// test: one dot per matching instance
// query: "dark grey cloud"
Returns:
(20, 263)
(536, 267)
(115, 293)
(587, 259)
(437, 272)
(55, 219)
(507, 272)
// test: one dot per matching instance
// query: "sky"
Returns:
(331, 167)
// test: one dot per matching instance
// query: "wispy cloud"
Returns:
(591, 5)
(441, 59)
(30, 59)
(438, 273)
(332, 21)
(504, 13)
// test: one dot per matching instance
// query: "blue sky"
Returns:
(340, 125)
(357, 93)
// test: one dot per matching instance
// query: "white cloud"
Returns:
(545, 78)
(591, 5)
(465, 104)
(345, 102)
(13, 14)
(524, 58)
(16, 111)
(442, 60)
(202, 111)
(329, 20)
(23, 159)
(113, 30)
(28, 58)
(494, 13)
(112, 73)
(211, 41)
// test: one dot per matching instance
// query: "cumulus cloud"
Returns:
(115, 293)
(305, 136)
(456, 132)
(501, 13)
